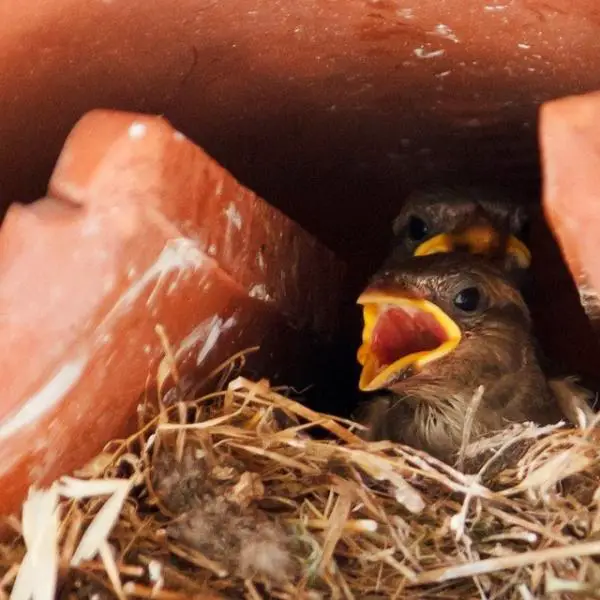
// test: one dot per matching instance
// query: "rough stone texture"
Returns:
(140, 229)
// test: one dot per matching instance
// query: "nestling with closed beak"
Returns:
(436, 328)
(475, 220)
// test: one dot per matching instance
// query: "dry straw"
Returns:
(248, 494)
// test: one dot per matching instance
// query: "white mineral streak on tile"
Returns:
(216, 329)
(137, 131)
(233, 215)
(589, 299)
(523, 46)
(406, 13)
(198, 334)
(420, 52)
(220, 185)
(46, 398)
(178, 256)
(207, 333)
(260, 291)
(446, 32)
(260, 260)
(495, 7)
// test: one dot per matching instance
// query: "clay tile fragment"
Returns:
(570, 146)
(140, 230)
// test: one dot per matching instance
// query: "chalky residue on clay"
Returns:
(260, 260)
(46, 398)
(216, 329)
(421, 52)
(206, 333)
(137, 131)
(234, 216)
(589, 298)
(177, 256)
(260, 291)
(446, 32)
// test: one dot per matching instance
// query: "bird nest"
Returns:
(247, 493)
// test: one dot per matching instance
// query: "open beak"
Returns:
(401, 333)
(479, 239)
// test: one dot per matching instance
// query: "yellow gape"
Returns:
(480, 239)
(375, 375)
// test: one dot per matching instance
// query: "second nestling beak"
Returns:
(478, 239)
(401, 334)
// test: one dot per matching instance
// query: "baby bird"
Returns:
(478, 221)
(488, 222)
(436, 328)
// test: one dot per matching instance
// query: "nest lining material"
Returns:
(240, 494)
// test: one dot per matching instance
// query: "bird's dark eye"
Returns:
(467, 299)
(417, 229)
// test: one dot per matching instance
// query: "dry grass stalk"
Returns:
(214, 498)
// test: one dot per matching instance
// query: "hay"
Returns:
(246, 493)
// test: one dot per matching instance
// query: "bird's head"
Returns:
(448, 312)
(478, 221)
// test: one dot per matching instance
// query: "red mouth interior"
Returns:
(403, 331)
